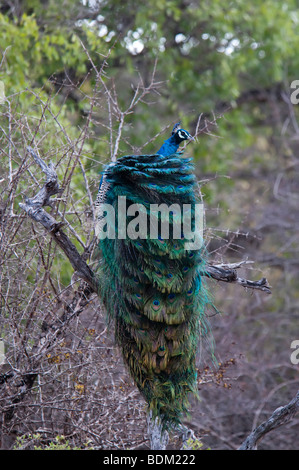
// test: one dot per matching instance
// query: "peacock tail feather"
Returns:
(153, 289)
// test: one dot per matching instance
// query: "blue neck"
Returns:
(169, 147)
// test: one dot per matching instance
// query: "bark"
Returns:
(280, 416)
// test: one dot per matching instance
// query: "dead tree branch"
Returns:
(280, 416)
(34, 208)
(228, 273)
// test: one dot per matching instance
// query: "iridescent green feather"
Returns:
(152, 289)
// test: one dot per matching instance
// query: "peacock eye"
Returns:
(183, 135)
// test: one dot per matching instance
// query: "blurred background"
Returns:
(88, 81)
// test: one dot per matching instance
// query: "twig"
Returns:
(118, 137)
(114, 109)
(3, 56)
(152, 139)
(34, 208)
(280, 416)
(227, 273)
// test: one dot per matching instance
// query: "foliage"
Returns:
(35, 441)
(210, 55)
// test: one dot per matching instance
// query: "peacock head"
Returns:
(180, 134)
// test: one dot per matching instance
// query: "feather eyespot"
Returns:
(170, 276)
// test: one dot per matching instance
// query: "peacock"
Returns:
(152, 287)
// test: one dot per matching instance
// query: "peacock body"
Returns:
(152, 288)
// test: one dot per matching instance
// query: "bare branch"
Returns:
(115, 112)
(227, 273)
(280, 416)
(118, 137)
(3, 56)
(34, 208)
